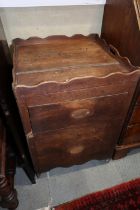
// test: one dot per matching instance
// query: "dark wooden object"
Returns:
(7, 171)
(121, 28)
(8, 108)
(73, 95)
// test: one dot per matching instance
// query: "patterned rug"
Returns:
(125, 196)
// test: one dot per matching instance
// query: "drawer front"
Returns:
(94, 110)
(135, 115)
(132, 134)
(76, 145)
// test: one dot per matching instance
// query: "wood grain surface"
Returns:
(73, 95)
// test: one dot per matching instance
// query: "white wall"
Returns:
(32, 3)
(45, 21)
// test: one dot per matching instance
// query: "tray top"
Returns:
(61, 58)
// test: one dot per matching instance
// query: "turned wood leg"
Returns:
(8, 194)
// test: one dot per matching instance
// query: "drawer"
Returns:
(66, 147)
(105, 109)
(135, 115)
(132, 134)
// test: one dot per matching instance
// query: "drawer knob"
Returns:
(76, 150)
(80, 113)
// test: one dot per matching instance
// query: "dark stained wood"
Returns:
(8, 108)
(73, 95)
(138, 100)
(122, 150)
(137, 9)
(2, 149)
(94, 110)
(7, 171)
(132, 135)
(120, 153)
(67, 73)
(135, 115)
(39, 95)
(125, 36)
(74, 145)
(118, 15)
(78, 51)
(68, 67)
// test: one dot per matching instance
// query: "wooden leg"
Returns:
(7, 171)
(8, 195)
(120, 153)
(29, 172)
(17, 139)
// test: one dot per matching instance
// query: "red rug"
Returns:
(125, 196)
